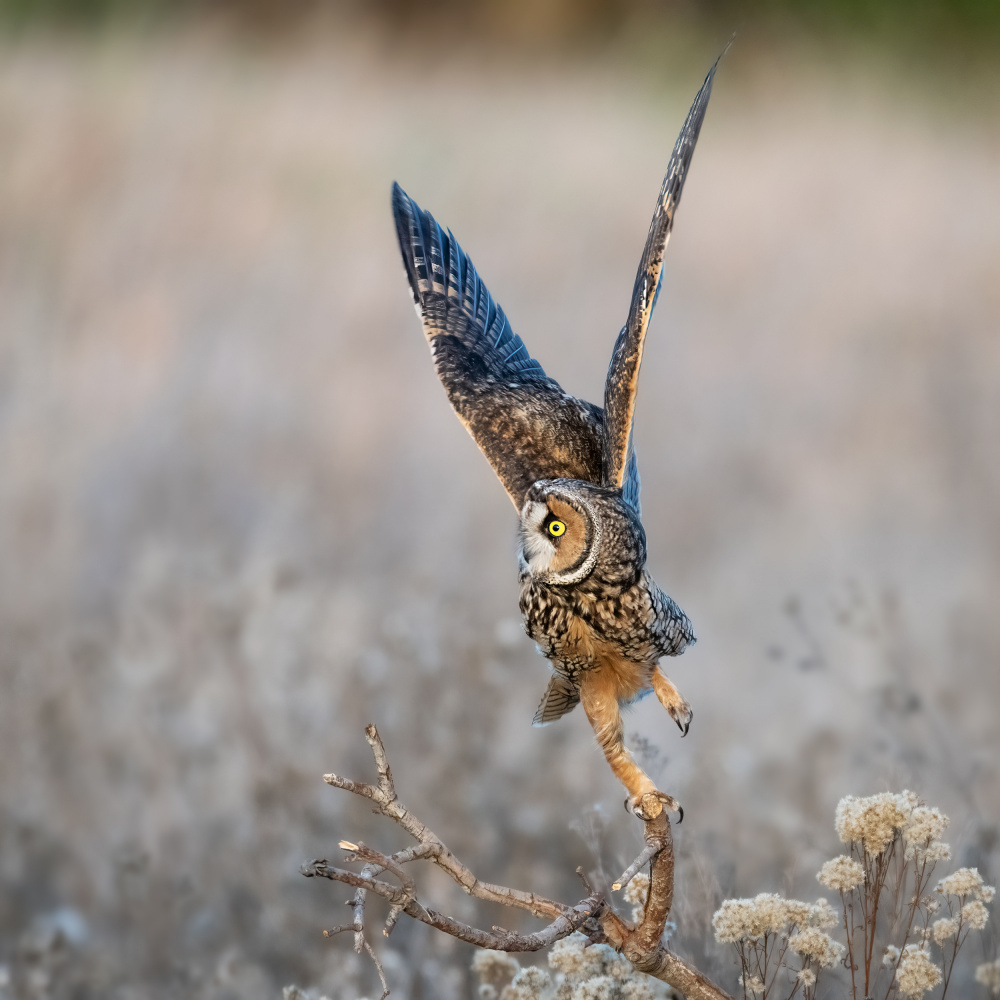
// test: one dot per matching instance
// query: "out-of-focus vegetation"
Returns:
(239, 520)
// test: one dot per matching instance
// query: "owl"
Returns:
(570, 470)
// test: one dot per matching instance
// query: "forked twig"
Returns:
(641, 944)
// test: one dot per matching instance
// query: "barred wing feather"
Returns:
(524, 423)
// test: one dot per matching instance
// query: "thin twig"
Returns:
(379, 970)
(633, 869)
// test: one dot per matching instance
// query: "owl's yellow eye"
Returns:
(557, 528)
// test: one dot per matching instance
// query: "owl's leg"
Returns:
(600, 702)
(670, 698)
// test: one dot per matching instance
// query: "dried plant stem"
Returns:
(960, 935)
(922, 878)
(641, 944)
(849, 936)
(875, 877)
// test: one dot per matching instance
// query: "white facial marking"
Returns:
(537, 551)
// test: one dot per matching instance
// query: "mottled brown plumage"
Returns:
(570, 471)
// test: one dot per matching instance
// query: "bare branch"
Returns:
(387, 803)
(641, 945)
(501, 940)
(633, 869)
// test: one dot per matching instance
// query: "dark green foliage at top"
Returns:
(950, 22)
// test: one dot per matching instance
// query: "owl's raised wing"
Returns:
(523, 422)
(623, 372)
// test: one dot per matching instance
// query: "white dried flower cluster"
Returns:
(916, 973)
(989, 975)
(975, 915)
(580, 971)
(531, 983)
(596, 988)
(806, 978)
(935, 851)
(817, 945)
(638, 989)
(966, 882)
(752, 985)
(767, 913)
(495, 968)
(922, 833)
(944, 929)
(841, 873)
(823, 915)
(891, 955)
(875, 820)
(637, 890)
(575, 957)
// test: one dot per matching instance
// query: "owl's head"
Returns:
(573, 530)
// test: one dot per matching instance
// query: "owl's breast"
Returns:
(579, 632)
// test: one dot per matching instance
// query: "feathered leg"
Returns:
(598, 696)
(670, 698)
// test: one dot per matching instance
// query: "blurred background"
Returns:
(238, 519)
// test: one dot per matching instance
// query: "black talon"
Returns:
(687, 725)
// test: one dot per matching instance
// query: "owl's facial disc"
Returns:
(556, 537)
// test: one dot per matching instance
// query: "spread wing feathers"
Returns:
(524, 423)
(451, 297)
(623, 372)
(561, 696)
(632, 483)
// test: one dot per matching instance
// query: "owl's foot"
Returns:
(682, 715)
(670, 698)
(648, 805)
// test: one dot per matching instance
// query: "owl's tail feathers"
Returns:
(561, 696)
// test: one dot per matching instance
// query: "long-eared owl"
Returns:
(570, 470)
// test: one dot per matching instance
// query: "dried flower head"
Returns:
(495, 968)
(752, 985)
(891, 955)
(925, 825)
(935, 851)
(823, 915)
(842, 873)
(531, 983)
(635, 989)
(989, 975)
(873, 821)
(751, 919)
(987, 893)
(964, 882)
(943, 929)
(806, 977)
(487, 992)
(578, 960)
(595, 988)
(815, 944)
(975, 915)
(916, 973)
(637, 890)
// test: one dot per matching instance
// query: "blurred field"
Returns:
(239, 520)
